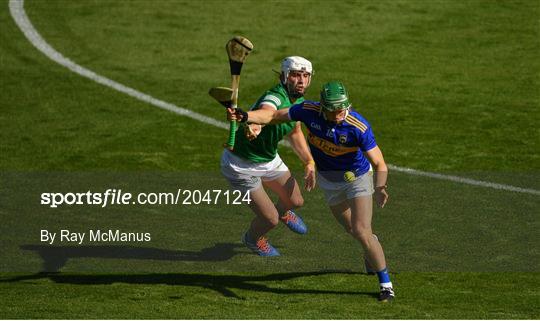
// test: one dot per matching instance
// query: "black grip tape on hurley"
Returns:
(236, 67)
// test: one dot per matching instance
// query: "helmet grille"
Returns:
(334, 96)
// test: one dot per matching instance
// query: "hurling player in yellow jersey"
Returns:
(254, 163)
(346, 154)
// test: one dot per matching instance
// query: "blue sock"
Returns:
(384, 277)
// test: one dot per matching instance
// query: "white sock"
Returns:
(386, 285)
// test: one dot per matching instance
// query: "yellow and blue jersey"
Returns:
(336, 148)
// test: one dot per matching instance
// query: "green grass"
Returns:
(448, 86)
(445, 90)
(315, 295)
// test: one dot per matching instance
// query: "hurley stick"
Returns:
(238, 48)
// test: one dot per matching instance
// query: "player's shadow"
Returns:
(55, 257)
(224, 284)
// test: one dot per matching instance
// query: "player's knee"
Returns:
(293, 202)
(365, 236)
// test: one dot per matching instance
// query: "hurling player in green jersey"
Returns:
(254, 163)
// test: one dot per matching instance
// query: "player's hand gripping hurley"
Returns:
(238, 48)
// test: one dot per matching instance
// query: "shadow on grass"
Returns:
(55, 257)
(224, 284)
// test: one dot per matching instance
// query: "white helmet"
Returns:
(295, 63)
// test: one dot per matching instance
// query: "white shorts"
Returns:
(246, 175)
(337, 192)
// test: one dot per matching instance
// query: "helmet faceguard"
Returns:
(334, 97)
(294, 63)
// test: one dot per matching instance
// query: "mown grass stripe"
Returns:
(16, 8)
(18, 13)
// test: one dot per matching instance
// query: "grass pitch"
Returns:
(448, 86)
(273, 296)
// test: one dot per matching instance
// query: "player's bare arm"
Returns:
(253, 130)
(298, 143)
(268, 117)
(269, 108)
(376, 159)
(260, 116)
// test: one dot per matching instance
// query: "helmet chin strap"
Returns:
(346, 113)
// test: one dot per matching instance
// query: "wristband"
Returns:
(382, 187)
(243, 113)
(310, 162)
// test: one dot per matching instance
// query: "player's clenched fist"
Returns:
(252, 131)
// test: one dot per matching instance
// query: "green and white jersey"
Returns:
(264, 148)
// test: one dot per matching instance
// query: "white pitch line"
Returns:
(464, 180)
(16, 8)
